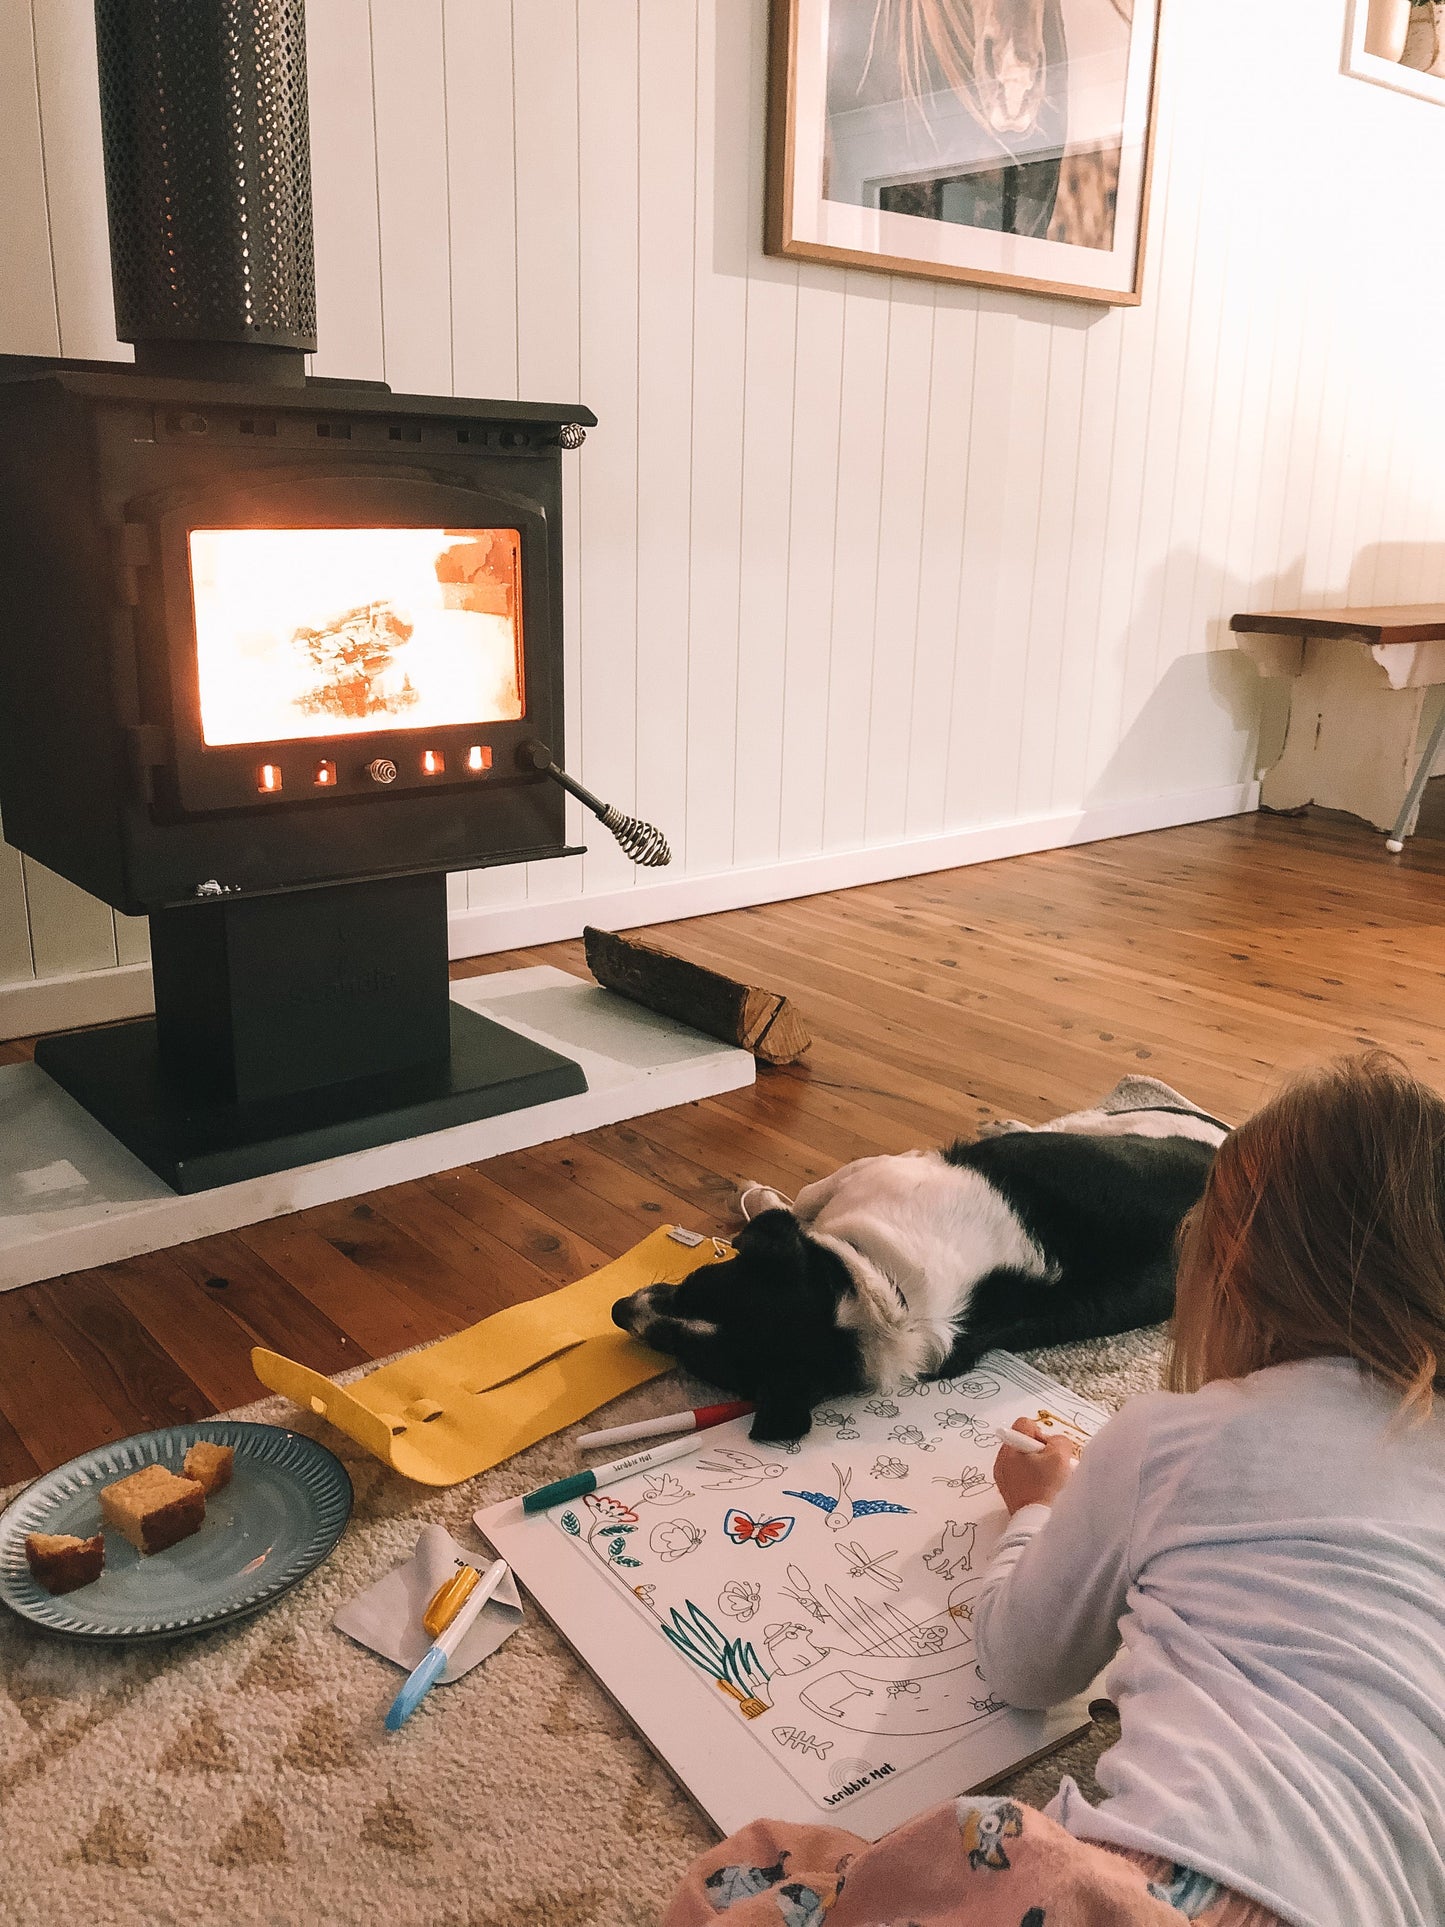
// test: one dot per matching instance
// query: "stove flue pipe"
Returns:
(208, 185)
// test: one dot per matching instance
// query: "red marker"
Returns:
(652, 1428)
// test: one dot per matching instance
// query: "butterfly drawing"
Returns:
(740, 1527)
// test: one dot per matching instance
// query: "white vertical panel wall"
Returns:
(865, 575)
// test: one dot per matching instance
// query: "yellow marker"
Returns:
(447, 1601)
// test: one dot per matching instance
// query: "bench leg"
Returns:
(1405, 821)
(1351, 740)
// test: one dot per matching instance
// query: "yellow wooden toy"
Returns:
(458, 1407)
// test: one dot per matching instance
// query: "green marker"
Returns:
(581, 1483)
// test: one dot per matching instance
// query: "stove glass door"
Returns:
(322, 632)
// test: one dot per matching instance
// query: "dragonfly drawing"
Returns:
(864, 1565)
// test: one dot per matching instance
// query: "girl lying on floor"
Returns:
(1267, 1541)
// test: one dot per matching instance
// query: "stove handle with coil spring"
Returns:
(644, 844)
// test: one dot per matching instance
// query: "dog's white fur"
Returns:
(917, 1233)
(1151, 1123)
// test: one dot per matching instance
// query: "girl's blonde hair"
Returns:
(1321, 1234)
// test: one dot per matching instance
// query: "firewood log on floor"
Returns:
(762, 1021)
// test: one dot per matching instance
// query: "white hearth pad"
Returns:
(71, 1196)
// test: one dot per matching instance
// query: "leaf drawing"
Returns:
(879, 1628)
(731, 1662)
(611, 1525)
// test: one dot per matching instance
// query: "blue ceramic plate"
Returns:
(284, 1510)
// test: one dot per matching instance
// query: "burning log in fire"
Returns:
(353, 655)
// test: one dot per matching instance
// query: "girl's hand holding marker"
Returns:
(1032, 1468)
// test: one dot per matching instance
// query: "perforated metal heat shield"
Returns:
(208, 171)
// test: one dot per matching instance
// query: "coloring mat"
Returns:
(820, 1593)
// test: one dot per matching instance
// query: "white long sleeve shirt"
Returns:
(1271, 1552)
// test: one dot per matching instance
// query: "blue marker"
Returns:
(433, 1662)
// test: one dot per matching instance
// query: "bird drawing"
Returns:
(861, 1508)
(735, 1470)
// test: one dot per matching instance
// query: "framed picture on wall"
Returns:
(1000, 141)
(1398, 44)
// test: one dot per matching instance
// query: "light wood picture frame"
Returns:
(1006, 142)
(1373, 26)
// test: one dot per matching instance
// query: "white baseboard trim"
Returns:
(513, 926)
(39, 1004)
(103, 996)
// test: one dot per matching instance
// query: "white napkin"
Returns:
(387, 1616)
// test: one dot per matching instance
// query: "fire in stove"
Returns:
(308, 633)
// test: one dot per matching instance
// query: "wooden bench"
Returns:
(1360, 682)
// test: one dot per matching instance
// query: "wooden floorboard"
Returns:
(1217, 956)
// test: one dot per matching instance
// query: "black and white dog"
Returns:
(914, 1266)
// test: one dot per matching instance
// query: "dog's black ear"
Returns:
(773, 1237)
(783, 1413)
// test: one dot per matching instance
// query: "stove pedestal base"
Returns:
(195, 1144)
(71, 1195)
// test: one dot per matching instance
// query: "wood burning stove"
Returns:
(278, 653)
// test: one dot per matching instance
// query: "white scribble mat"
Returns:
(822, 1592)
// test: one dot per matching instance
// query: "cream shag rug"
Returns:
(243, 1779)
